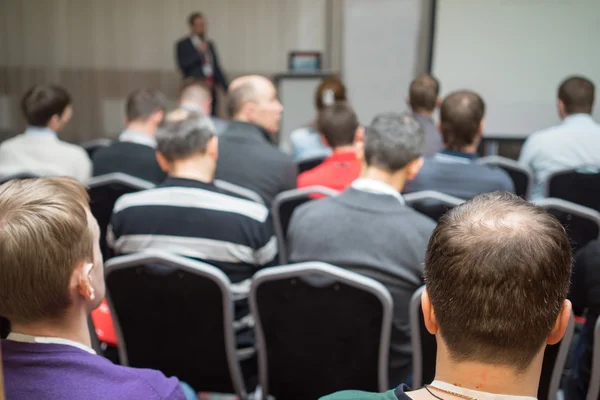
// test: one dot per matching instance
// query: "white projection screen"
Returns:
(515, 53)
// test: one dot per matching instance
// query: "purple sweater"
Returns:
(39, 371)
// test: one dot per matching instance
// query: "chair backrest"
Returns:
(307, 164)
(20, 175)
(580, 186)
(582, 223)
(239, 190)
(431, 203)
(91, 146)
(425, 348)
(175, 315)
(104, 190)
(283, 208)
(320, 329)
(594, 388)
(521, 176)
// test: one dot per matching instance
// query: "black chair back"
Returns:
(104, 191)
(582, 224)
(283, 208)
(309, 163)
(521, 176)
(580, 186)
(93, 145)
(320, 329)
(431, 203)
(175, 315)
(425, 348)
(594, 388)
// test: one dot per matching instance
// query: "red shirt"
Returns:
(337, 172)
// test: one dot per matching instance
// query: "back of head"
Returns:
(41, 102)
(461, 114)
(497, 273)
(243, 90)
(143, 104)
(392, 141)
(195, 91)
(423, 93)
(577, 94)
(338, 124)
(329, 92)
(184, 134)
(44, 234)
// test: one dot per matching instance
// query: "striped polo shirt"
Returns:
(197, 220)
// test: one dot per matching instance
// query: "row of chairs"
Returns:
(319, 328)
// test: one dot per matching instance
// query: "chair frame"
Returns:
(239, 190)
(559, 364)
(446, 199)
(510, 164)
(594, 388)
(283, 197)
(119, 178)
(341, 275)
(309, 159)
(194, 267)
(100, 142)
(567, 206)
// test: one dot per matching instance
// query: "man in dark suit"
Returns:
(197, 57)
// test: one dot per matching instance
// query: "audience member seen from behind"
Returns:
(368, 228)
(195, 96)
(190, 215)
(39, 151)
(48, 296)
(484, 303)
(339, 129)
(248, 155)
(306, 141)
(572, 143)
(585, 295)
(455, 170)
(134, 152)
(423, 98)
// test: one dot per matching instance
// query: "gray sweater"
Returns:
(377, 236)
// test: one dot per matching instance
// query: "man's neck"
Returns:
(142, 127)
(197, 168)
(425, 113)
(395, 180)
(72, 328)
(345, 149)
(470, 149)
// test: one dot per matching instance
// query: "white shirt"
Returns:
(378, 187)
(39, 151)
(573, 143)
(20, 337)
(137, 137)
(476, 393)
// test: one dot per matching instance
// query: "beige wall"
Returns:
(101, 50)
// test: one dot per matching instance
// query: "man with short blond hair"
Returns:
(51, 278)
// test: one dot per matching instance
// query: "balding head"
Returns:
(461, 116)
(253, 98)
(497, 273)
(195, 95)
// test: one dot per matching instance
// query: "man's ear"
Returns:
(323, 140)
(83, 280)
(212, 147)
(163, 163)
(207, 106)
(561, 109)
(428, 313)
(407, 101)
(157, 117)
(414, 167)
(560, 326)
(359, 134)
(438, 101)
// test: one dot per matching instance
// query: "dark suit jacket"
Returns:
(249, 158)
(190, 63)
(129, 158)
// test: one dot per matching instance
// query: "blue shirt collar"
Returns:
(458, 153)
(137, 137)
(40, 130)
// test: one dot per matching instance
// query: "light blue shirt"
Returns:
(573, 143)
(129, 135)
(40, 130)
(306, 143)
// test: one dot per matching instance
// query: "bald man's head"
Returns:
(196, 96)
(253, 98)
(461, 116)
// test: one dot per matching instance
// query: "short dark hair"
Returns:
(192, 17)
(497, 272)
(577, 94)
(423, 93)
(393, 140)
(333, 85)
(184, 133)
(142, 103)
(461, 114)
(41, 102)
(338, 124)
